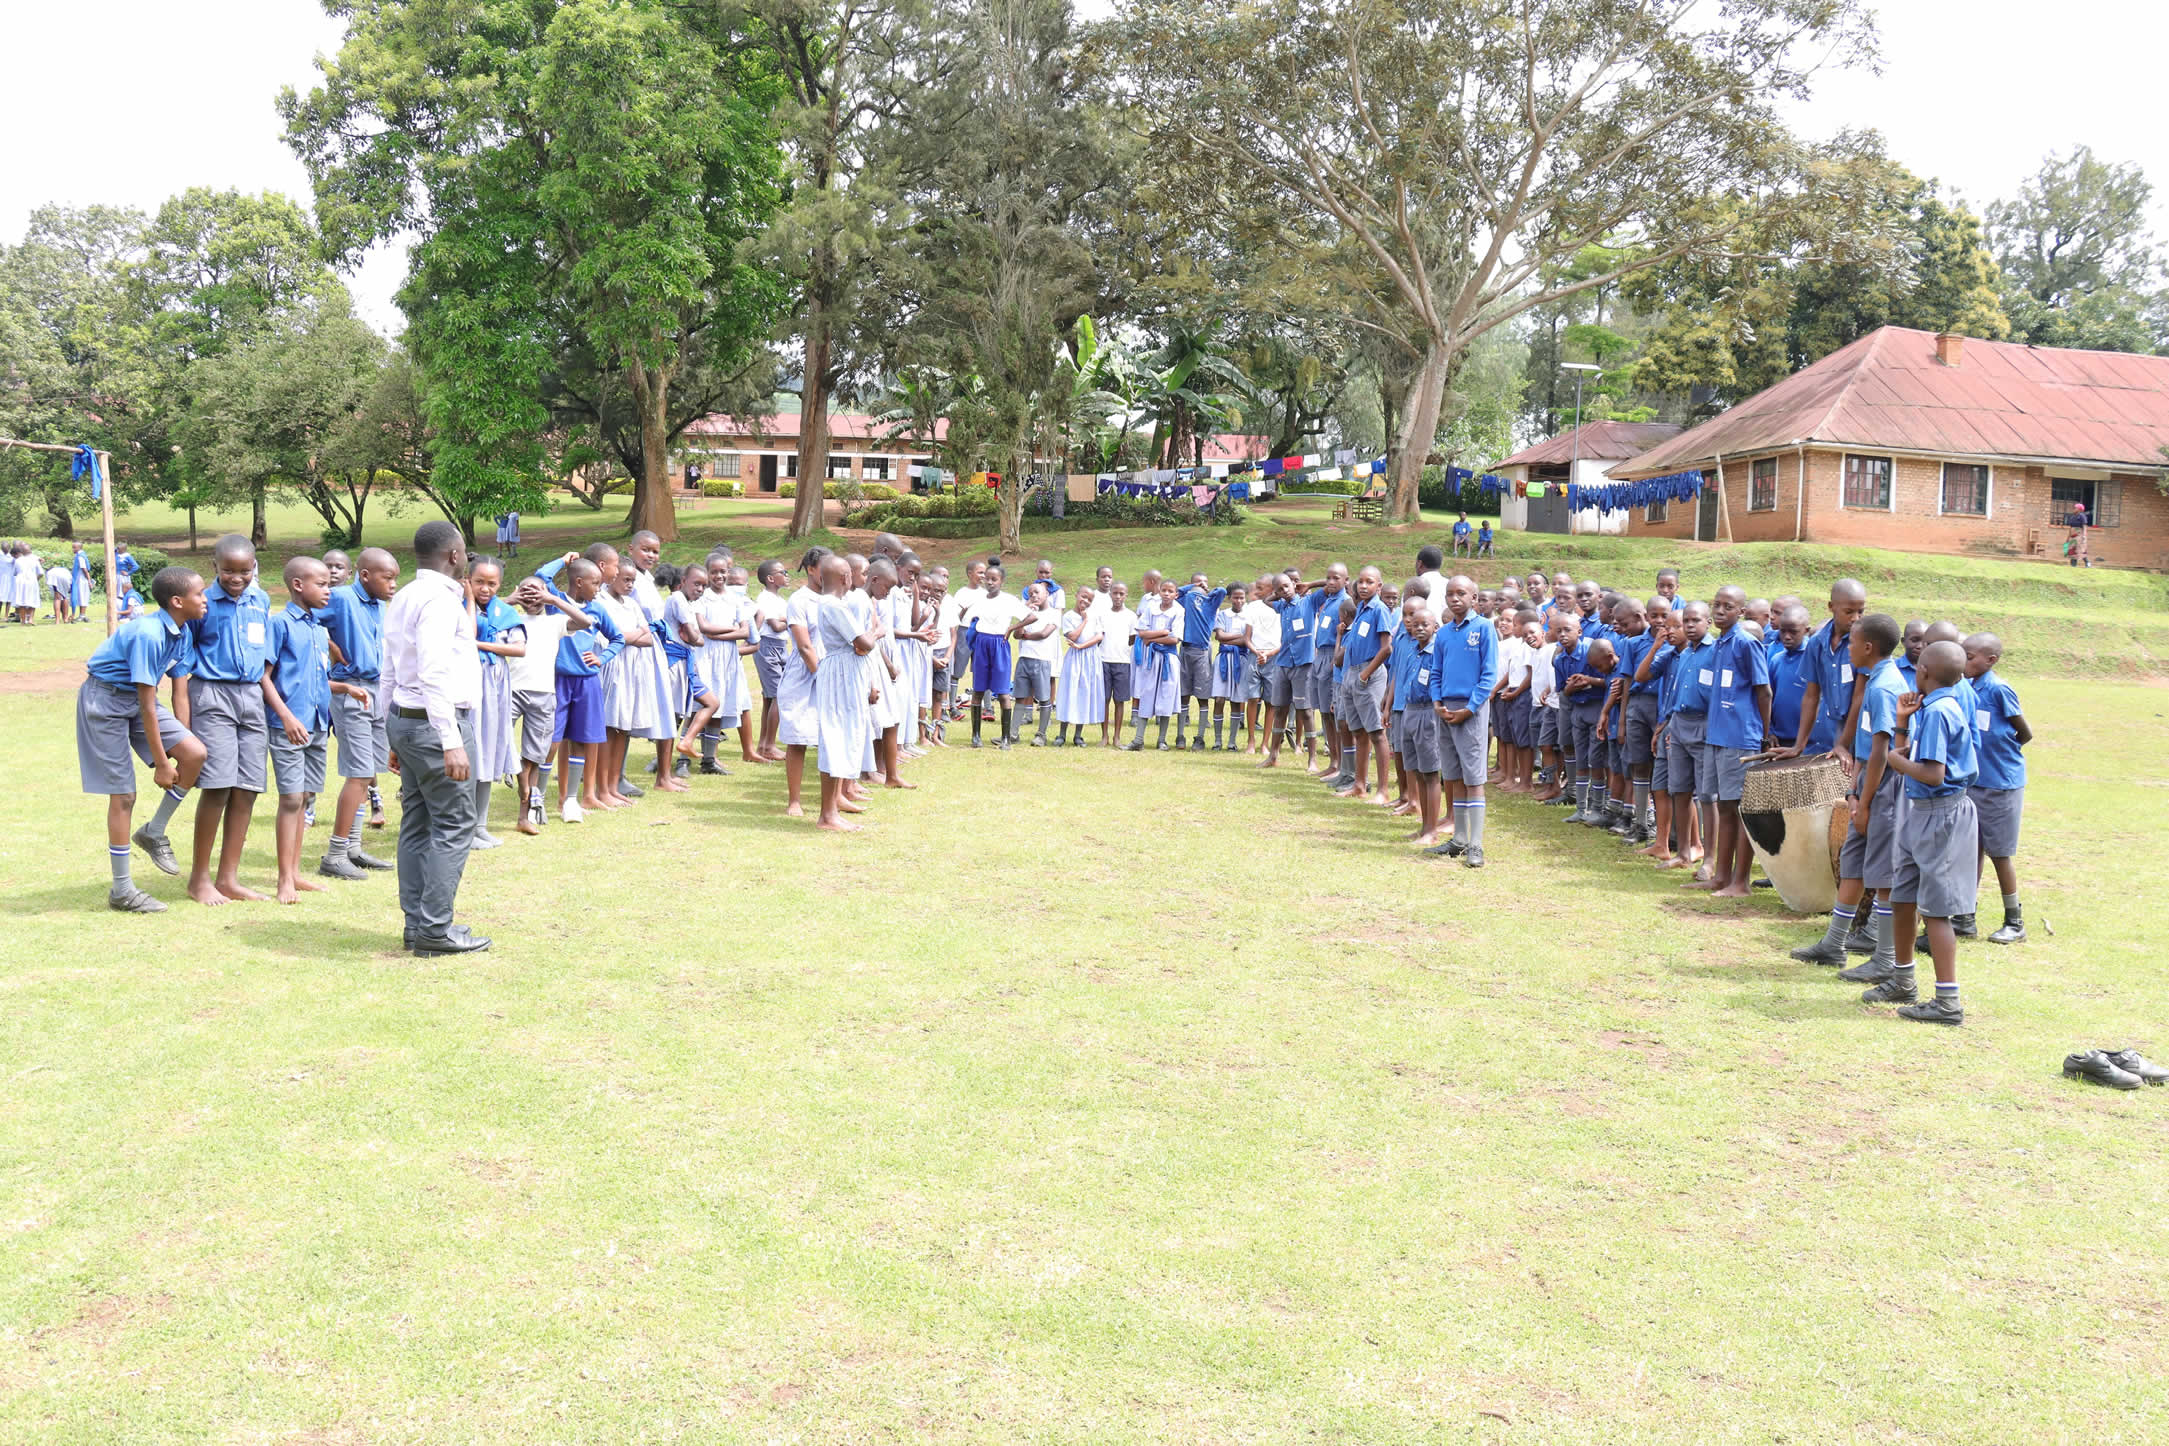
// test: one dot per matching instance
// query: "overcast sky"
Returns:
(129, 101)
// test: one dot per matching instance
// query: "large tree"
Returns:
(855, 74)
(1441, 158)
(284, 410)
(2080, 265)
(584, 173)
(1003, 263)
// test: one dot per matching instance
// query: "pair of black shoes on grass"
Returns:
(2122, 1069)
(1965, 926)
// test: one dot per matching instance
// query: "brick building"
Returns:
(1933, 443)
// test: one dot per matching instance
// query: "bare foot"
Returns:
(836, 825)
(1730, 891)
(205, 893)
(1701, 880)
(1404, 808)
(898, 783)
(1380, 799)
(1427, 840)
(849, 805)
(288, 894)
(525, 825)
(792, 810)
(1270, 762)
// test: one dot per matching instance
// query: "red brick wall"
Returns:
(2017, 524)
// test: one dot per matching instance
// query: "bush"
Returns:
(1312, 487)
(148, 561)
(1433, 495)
(871, 491)
(617, 487)
(722, 487)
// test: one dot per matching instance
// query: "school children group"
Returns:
(1642, 715)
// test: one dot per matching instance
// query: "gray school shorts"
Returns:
(1324, 687)
(768, 666)
(1546, 728)
(229, 718)
(536, 713)
(1582, 729)
(1362, 706)
(1299, 694)
(1117, 678)
(1641, 723)
(1276, 685)
(298, 767)
(1516, 725)
(1462, 747)
(107, 726)
(1872, 857)
(1728, 769)
(1998, 809)
(939, 685)
(1033, 681)
(1688, 770)
(363, 750)
(1420, 740)
(1660, 772)
(1936, 861)
(1194, 671)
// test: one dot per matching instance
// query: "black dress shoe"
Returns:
(455, 940)
(2132, 1062)
(2097, 1068)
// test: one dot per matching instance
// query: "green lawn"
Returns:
(1088, 1097)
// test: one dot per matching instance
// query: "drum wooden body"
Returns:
(1794, 814)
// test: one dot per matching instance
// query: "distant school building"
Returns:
(1578, 455)
(1930, 442)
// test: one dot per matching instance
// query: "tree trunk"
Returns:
(259, 529)
(1418, 431)
(807, 515)
(653, 511)
(1011, 509)
(191, 527)
(57, 509)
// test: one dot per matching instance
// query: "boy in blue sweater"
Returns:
(1999, 788)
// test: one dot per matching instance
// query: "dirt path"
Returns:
(44, 680)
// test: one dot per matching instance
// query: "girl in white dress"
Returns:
(1081, 697)
(797, 724)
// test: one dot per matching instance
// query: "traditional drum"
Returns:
(1792, 809)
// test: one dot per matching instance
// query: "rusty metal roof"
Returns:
(2003, 399)
(1600, 441)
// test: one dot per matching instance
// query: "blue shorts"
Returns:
(579, 709)
(990, 663)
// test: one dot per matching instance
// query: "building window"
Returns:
(1762, 486)
(1656, 512)
(2103, 501)
(874, 469)
(1965, 489)
(790, 464)
(838, 467)
(723, 464)
(1867, 483)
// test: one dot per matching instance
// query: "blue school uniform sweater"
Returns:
(2002, 761)
(301, 656)
(1831, 670)
(1323, 612)
(1565, 665)
(142, 651)
(1465, 662)
(1198, 607)
(1788, 689)
(492, 623)
(1943, 732)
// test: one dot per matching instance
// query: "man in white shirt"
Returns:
(427, 690)
(1428, 562)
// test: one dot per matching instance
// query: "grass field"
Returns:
(1092, 1097)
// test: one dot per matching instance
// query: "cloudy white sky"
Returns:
(128, 101)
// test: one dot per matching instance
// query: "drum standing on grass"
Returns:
(1791, 809)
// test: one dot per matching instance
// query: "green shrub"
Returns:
(1433, 495)
(617, 487)
(722, 487)
(148, 561)
(1312, 487)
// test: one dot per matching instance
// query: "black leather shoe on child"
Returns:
(2097, 1068)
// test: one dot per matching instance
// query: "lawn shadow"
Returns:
(299, 937)
(66, 899)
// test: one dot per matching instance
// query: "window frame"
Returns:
(1754, 482)
(1657, 512)
(1890, 482)
(1987, 491)
(843, 460)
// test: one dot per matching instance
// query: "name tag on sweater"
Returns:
(1704, 675)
